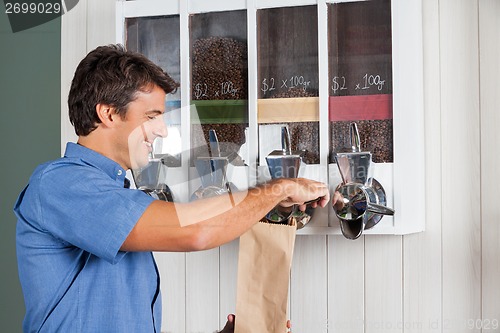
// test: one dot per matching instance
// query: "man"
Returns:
(84, 240)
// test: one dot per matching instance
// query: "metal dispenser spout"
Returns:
(285, 163)
(212, 170)
(354, 166)
(149, 179)
(363, 197)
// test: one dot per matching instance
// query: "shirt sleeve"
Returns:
(93, 213)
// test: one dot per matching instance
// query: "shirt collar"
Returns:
(91, 157)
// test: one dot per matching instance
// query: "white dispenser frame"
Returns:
(403, 180)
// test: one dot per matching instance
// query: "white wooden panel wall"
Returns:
(309, 285)
(489, 50)
(346, 285)
(422, 251)
(460, 173)
(89, 24)
(73, 49)
(435, 281)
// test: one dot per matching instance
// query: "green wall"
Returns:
(30, 90)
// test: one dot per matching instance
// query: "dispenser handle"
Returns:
(285, 141)
(214, 143)
(354, 135)
(379, 209)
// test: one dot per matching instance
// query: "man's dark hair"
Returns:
(111, 75)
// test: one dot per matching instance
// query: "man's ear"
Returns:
(106, 114)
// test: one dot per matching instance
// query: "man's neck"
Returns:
(100, 144)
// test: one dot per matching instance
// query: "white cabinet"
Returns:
(246, 68)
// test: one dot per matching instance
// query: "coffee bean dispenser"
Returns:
(249, 68)
(362, 201)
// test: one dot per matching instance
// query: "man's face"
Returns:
(144, 123)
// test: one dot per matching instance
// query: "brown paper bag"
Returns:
(264, 262)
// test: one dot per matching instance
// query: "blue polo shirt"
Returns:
(73, 217)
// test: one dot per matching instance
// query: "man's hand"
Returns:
(338, 201)
(229, 328)
(302, 191)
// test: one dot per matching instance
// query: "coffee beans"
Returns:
(219, 69)
(375, 136)
(295, 92)
(304, 136)
(219, 72)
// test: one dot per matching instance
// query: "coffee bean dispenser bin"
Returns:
(219, 78)
(251, 69)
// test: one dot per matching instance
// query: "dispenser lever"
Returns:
(354, 135)
(285, 141)
(379, 209)
(214, 143)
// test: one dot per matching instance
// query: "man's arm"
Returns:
(208, 223)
